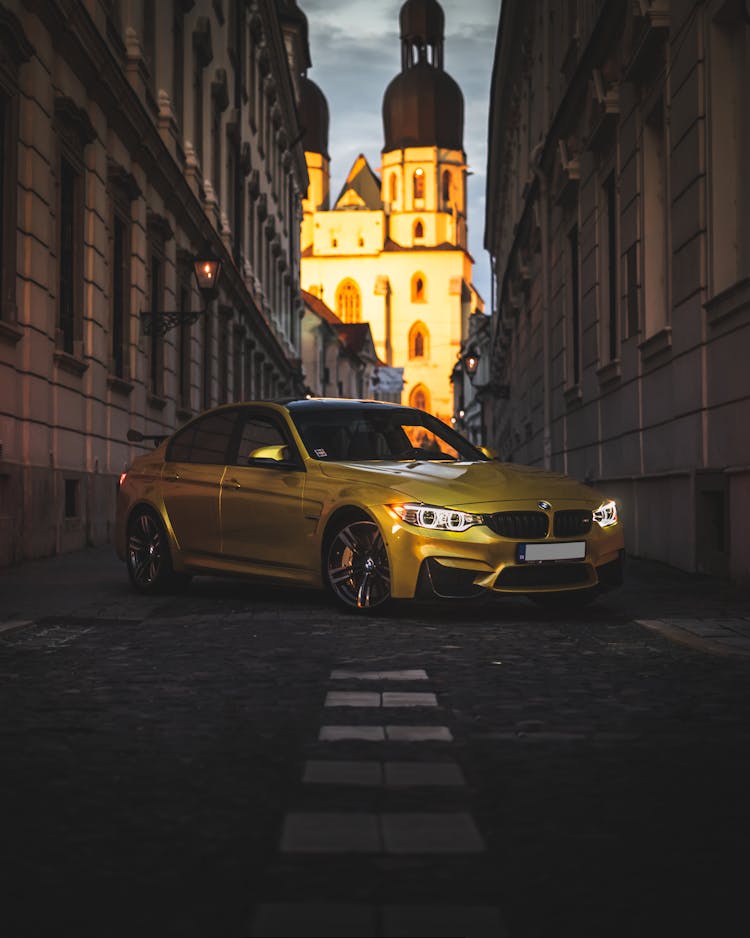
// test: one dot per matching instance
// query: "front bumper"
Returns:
(459, 564)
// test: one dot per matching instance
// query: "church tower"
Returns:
(424, 165)
(314, 112)
(393, 249)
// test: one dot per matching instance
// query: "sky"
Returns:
(356, 50)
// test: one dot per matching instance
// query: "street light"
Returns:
(207, 270)
(471, 361)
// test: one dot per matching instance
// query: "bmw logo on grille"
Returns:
(545, 506)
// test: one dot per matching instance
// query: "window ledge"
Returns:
(10, 333)
(118, 384)
(69, 363)
(656, 344)
(157, 402)
(573, 395)
(609, 373)
(729, 302)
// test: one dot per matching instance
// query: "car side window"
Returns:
(261, 440)
(204, 441)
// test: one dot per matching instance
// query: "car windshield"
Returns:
(354, 434)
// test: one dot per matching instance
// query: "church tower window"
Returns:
(420, 398)
(418, 288)
(418, 229)
(446, 186)
(348, 301)
(419, 183)
(419, 339)
(394, 187)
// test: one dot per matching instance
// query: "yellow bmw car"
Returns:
(371, 501)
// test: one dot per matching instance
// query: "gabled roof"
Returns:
(320, 309)
(361, 189)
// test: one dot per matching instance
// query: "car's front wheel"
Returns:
(356, 564)
(148, 560)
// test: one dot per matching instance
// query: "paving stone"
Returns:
(418, 734)
(406, 699)
(705, 627)
(429, 832)
(352, 698)
(335, 733)
(330, 832)
(11, 624)
(313, 920)
(442, 921)
(330, 772)
(415, 674)
(417, 774)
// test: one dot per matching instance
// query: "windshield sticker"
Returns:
(320, 453)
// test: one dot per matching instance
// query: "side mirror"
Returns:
(276, 453)
(489, 453)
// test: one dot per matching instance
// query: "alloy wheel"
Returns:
(145, 547)
(357, 566)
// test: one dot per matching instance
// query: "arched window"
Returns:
(420, 398)
(348, 301)
(419, 183)
(394, 187)
(419, 341)
(418, 229)
(446, 185)
(418, 288)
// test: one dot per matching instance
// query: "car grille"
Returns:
(520, 525)
(573, 523)
(553, 574)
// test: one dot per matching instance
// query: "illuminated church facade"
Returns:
(393, 249)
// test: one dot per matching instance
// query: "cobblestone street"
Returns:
(244, 761)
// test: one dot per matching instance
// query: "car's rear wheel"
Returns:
(149, 560)
(356, 565)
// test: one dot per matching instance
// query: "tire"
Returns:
(565, 600)
(355, 565)
(148, 558)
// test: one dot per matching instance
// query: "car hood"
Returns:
(465, 485)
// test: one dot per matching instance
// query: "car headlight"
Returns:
(437, 519)
(606, 514)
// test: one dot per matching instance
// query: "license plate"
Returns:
(569, 550)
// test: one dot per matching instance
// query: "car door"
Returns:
(261, 498)
(191, 481)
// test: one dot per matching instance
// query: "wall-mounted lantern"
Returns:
(207, 270)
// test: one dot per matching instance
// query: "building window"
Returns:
(394, 187)
(418, 341)
(183, 341)
(446, 186)
(223, 355)
(420, 398)
(216, 149)
(631, 278)
(728, 123)
(655, 225)
(178, 66)
(198, 110)
(419, 183)
(70, 269)
(120, 283)
(206, 363)
(237, 364)
(156, 348)
(418, 230)
(575, 309)
(418, 288)
(348, 301)
(72, 499)
(608, 271)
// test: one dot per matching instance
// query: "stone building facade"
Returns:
(618, 220)
(135, 135)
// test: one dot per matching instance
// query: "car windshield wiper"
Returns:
(415, 453)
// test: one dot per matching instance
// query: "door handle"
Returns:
(234, 483)
(172, 477)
